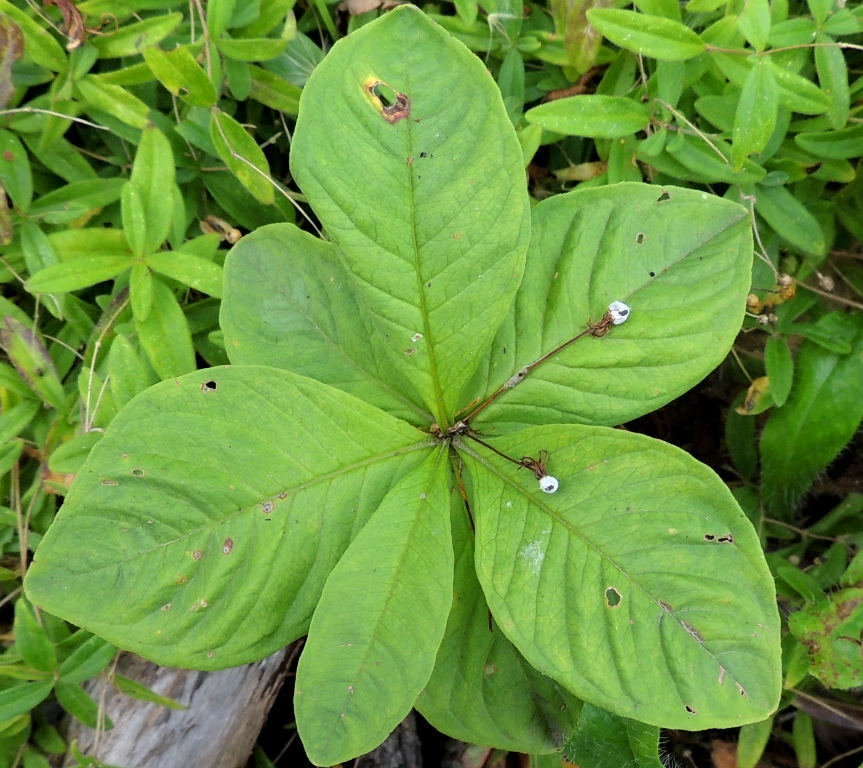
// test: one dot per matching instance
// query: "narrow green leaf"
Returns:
(288, 303)
(582, 583)
(779, 367)
(232, 565)
(134, 218)
(26, 350)
(239, 80)
(823, 412)
(127, 372)
(833, 77)
(274, 91)
(15, 170)
(132, 39)
(653, 36)
(141, 291)
(272, 14)
(153, 175)
(181, 74)
(69, 457)
(11, 50)
(219, 14)
(381, 617)
(605, 117)
(142, 693)
(79, 273)
(165, 336)
(790, 219)
(682, 260)
(87, 660)
(713, 160)
(31, 640)
(843, 22)
(13, 420)
(752, 741)
(434, 248)
(604, 740)
(756, 114)
(63, 159)
(251, 49)
(201, 274)
(754, 23)
(242, 155)
(20, 699)
(40, 46)
(799, 94)
(75, 700)
(113, 100)
(801, 582)
(77, 199)
(740, 439)
(835, 145)
(803, 740)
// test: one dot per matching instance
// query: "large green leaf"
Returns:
(435, 238)
(482, 691)
(680, 259)
(380, 620)
(288, 303)
(203, 526)
(603, 740)
(640, 585)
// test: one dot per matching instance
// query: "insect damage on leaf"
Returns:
(393, 105)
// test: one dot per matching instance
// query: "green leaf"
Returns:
(239, 80)
(435, 244)
(20, 699)
(69, 457)
(181, 74)
(14, 420)
(87, 660)
(251, 49)
(113, 100)
(605, 117)
(15, 170)
(164, 335)
(756, 114)
(242, 155)
(288, 303)
(833, 76)
(77, 200)
(799, 94)
(604, 740)
(752, 741)
(128, 377)
(31, 640)
(40, 47)
(835, 145)
(26, 350)
(201, 274)
(790, 219)
(679, 258)
(134, 218)
(153, 174)
(779, 366)
(178, 542)
(141, 291)
(754, 22)
(713, 160)
(11, 50)
(482, 691)
(78, 273)
(583, 584)
(381, 617)
(274, 91)
(821, 416)
(219, 14)
(142, 693)
(75, 700)
(132, 39)
(803, 740)
(653, 36)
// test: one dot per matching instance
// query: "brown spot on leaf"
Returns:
(8, 155)
(228, 546)
(197, 554)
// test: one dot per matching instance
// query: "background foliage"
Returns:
(140, 138)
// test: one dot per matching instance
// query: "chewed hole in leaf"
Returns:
(663, 197)
(612, 597)
(640, 238)
(393, 105)
(742, 690)
(692, 631)
(726, 539)
(709, 537)
(138, 472)
(208, 386)
(691, 710)
(267, 507)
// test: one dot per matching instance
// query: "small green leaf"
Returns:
(201, 274)
(134, 218)
(803, 740)
(653, 36)
(142, 693)
(251, 49)
(604, 740)
(13, 420)
(799, 94)
(132, 39)
(833, 76)
(713, 160)
(242, 155)
(31, 640)
(756, 114)
(754, 22)
(779, 366)
(381, 617)
(69, 457)
(740, 439)
(801, 582)
(181, 74)
(605, 117)
(113, 100)
(40, 47)
(165, 336)
(128, 374)
(75, 700)
(274, 91)
(239, 80)
(584, 574)
(823, 412)
(87, 660)
(836, 145)
(26, 350)
(191, 463)
(752, 741)
(15, 172)
(219, 13)
(20, 699)
(78, 273)
(153, 175)
(141, 291)
(790, 219)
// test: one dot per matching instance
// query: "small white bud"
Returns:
(548, 484)
(619, 312)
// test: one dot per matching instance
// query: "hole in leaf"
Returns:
(138, 472)
(652, 274)
(691, 710)
(640, 237)
(726, 539)
(742, 690)
(709, 537)
(110, 482)
(386, 94)
(268, 507)
(394, 106)
(612, 597)
(208, 386)
(663, 197)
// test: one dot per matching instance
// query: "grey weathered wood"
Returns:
(400, 750)
(226, 711)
